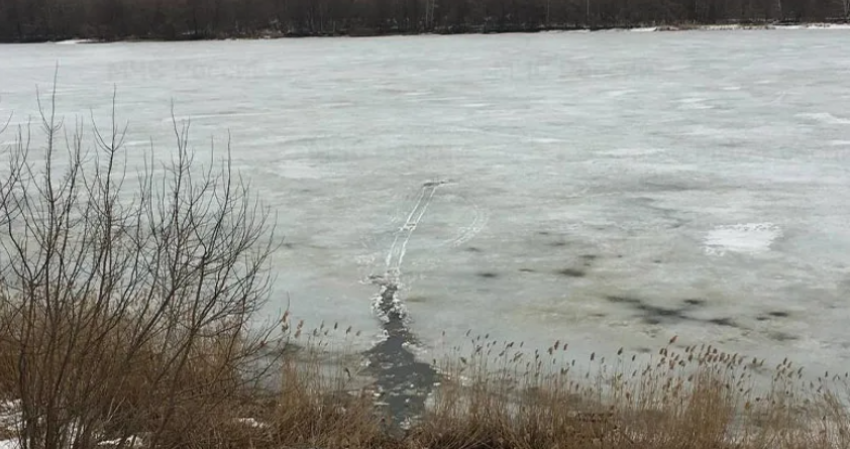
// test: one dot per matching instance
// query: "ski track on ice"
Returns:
(395, 255)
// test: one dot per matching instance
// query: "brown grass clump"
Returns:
(323, 401)
(496, 396)
(122, 394)
(96, 375)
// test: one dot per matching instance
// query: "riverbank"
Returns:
(493, 394)
(269, 34)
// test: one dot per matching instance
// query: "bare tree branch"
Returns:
(133, 306)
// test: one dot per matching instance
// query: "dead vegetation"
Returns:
(126, 320)
(498, 396)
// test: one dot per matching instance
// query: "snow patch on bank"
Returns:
(251, 422)
(827, 26)
(76, 41)
(10, 421)
(738, 27)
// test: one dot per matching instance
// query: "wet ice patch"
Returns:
(384, 311)
(747, 238)
(380, 337)
(415, 349)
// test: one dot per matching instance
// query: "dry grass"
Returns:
(81, 377)
(492, 396)
(496, 396)
(134, 395)
(322, 401)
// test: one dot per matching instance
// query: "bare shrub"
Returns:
(125, 313)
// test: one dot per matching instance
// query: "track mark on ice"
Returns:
(395, 255)
(467, 233)
(405, 381)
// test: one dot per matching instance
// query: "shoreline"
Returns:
(274, 35)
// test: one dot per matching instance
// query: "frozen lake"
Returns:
(605, 189)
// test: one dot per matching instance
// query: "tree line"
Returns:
(42, 20)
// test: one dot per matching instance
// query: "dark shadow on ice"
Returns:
(571, 272)
(655, 315)
(782, 337)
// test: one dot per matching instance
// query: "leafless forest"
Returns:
(42, 20)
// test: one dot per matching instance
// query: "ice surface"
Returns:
(826, 118)
(608, 189)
